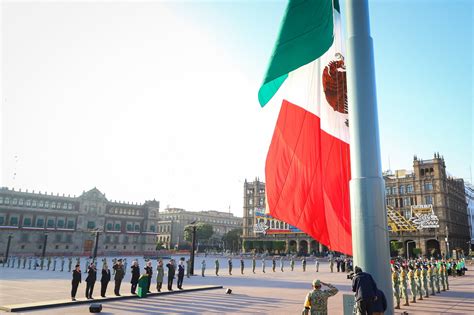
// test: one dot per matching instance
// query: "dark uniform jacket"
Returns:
(364, 286)
(180, 271)
(76, 276)
(91, 275)
(119, 272)
(135, 274)
(105, 276)
(171, 270)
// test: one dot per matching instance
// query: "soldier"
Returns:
(216, 263)
(404, 285)
(281, 263)
(62, 263)
(24, 262)
(242, 266)
(125, 266)
(49, 262)
(18, 263)
(317, 265)
(273, 264)
(203, 267)
(331, 264)
(263, 264)
(396, 285)
(411, 279)
(303, 262)
(431, 278)
(446, 276)
(441, 276)
(254, 263)
(119, 274)
(35, 264)
(418, 281)
(69, 264)
(436, 278)
(29, 262)
(54, 263)
(316, 302)
(424, 273)
(292, 263)
(229, 262)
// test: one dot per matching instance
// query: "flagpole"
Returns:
(370, 243)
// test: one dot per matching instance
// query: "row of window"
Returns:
(125, 211)
(201, 219)
(407, 201)
(406, 189)
(40, 222)
(251, 191)
(36, 203)
(129, 227)
(274, 224)
(58, 238)
(260, 201)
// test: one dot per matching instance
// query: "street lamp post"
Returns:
(94, 255)
(8, 249)
(45, 242)
(193, 249)
(408, 252)
(447, 242)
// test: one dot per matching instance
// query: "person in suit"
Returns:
(90, 280)
(119, 274)
(76, 279)
(181, 273)
(149, 273)
(104, 280)
(135, 276)
(171, 272)
(160, 274)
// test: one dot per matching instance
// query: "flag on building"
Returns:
(307, 171)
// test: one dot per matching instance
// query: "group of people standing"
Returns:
(40, 263)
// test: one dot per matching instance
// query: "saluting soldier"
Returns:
(254, 264)
(431, 278)
(49, 262)
(419, 289)
(436, 278)
(441, 276)
(411, 279)
(424, 273)
(396, 285)
(404, 286)
(316, 302)
(216, 263)
(292, 263)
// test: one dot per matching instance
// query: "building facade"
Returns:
(172, 222)
(470, 210)
(260, 227)
(68, 224)
(443, 225)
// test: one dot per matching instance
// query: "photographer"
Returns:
(365, 291)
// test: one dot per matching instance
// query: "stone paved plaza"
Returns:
(270, 293)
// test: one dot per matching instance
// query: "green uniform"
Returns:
(254, 264)
(216, 263)
(404, 286)
(436, 278)
(411, 279)
(431, 278)
(419, 289)
(396, 287)
(424, 273)
(304, 264)
(317, 300)
(446, 277)
(331, 264)
(441, 277)
(292, 263)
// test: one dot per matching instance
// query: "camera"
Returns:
(350, 276)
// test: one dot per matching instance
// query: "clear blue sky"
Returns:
(159, 99)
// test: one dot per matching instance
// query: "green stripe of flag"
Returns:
(306, 33)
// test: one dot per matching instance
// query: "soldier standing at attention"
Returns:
(411, 278)
(90, 281)
(436, 278)
(30, 259)
(273, 263)
(49, 261)
(36, 264)
(419, 289)
(76, 279)
(216, 263)
(281, 263)
(396, 286)
(62, 263)
(316, 302)
(424, 273)
(404, 285)
(54, 263)
(254, 263)
(331, 264)
(229, 262)
(292, 263)
(69, 264)
(317, 265)
(119, 274)
(242, 266)
(445, 269)
(203, 267)
(263, 264)
(441, 275)
(303, 262)
(431, 278)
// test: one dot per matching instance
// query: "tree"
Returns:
(232, 238)
(204, 232)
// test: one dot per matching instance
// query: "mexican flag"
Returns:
(307, 171)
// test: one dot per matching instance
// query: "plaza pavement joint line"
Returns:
(47, 304)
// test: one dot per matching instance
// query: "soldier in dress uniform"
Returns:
(436, 278)
(242, 265)
(263, 264)
(229, 262)
(254, 264)
(24, 262)
(431, 278)
(18, 262)
(62, 263)
(404, 285)
(424, 273)
(54, 263)
(292, 263)
(396, 286)
(316, 302)
(331, 264)
(411, 279)
(49, 262)
(203, 267)
(419, 289)
(441, 275)
(281, 263)
(446, 276)
(35, 264)
(69, 264)
(317, 265)
(216, 263)
(273, 263)
(29, 262)
(303, 262)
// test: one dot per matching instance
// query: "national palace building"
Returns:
(427, 209)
